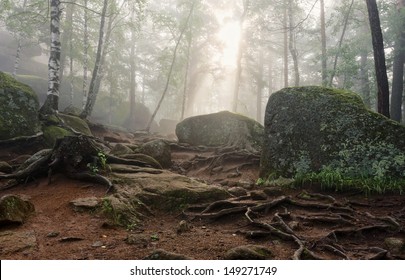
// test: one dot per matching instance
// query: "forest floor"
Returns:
(324, 224)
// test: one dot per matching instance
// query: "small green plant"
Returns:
(100, 162)
(154, 237)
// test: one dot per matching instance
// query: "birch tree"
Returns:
(52, 98)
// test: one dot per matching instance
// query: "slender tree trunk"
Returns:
(17, 58)
(91, 99)
(185, 89)
(291, 45)
(85, 54)
(239, 56)
(332, 76)
(71, 74)
(379, 58)
(19, 49)
(52, 98)
(66, 36)
(132, 76)
(260, 86)
(285, 28)
(323, 43)
(171, 68)
(398, 67)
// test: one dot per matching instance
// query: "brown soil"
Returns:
(359, 233)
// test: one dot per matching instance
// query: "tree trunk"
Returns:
(323, 43)
(66, 36)
(85, 54)
(398, 67)
(92, 95)
(379, 58)
(239, 56)
(52, 98)
(260, 86)
(291, 45)
(332, 76)
(285, 28)
(71, 76)
(17, 58)
(185, 89)
(132, 75)
(171, 68)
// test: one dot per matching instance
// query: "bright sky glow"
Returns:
(229, 36)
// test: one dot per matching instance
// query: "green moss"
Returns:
(52, 133)
(329, 135)
(76, 123)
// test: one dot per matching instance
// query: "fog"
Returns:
(231, 56)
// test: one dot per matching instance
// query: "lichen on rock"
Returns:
(18, 109)
(321, 133)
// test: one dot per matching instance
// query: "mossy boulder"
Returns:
(18, 109)
(322, 133)
(58, 127)
(159, 150)
(14, 209)
(221, 129)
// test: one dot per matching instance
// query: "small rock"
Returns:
(217, 169)
(70, 239)
(97, 244)
(160, 254)
(249, 252)
(5, 167)
(237, 191)
(294, 225)
(246, 184)
(183, 227)
(85, 204)
(395, 245)
(53, 234)
(141, 240)
(233, 175)
(121, 149)
(160, 150)
(273, 191)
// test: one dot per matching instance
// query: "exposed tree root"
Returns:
(78, 157)
(298, 215)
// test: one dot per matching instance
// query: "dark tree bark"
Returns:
(50, 105)
(260, 86)
(85, 54)
(323, 43)
(91, 99)
(398, 66)
(364, 79)
(379, 58)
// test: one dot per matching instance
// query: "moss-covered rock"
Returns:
(159, 150)
(220, 129)
(14, 209)
(137, 193)
(18, 109)
(329, 135)
(61, 125)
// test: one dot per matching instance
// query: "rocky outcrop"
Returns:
(159, 150)
(137, 194)
(326, 133)
(18, 109)
(221, 129)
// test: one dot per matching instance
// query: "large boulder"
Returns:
(18, 109)
(329, 135)
(221, 129)
(159, 150)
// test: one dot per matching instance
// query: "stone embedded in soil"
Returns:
(121, 149)
(12, 242)
(14, 209)
(160, 150)
(237, 191)
(183, 226)
(249, 252)
(395, 245)
(161, 254)
(85, 204)
(141, 240)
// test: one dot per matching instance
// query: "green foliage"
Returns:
(100, 163)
